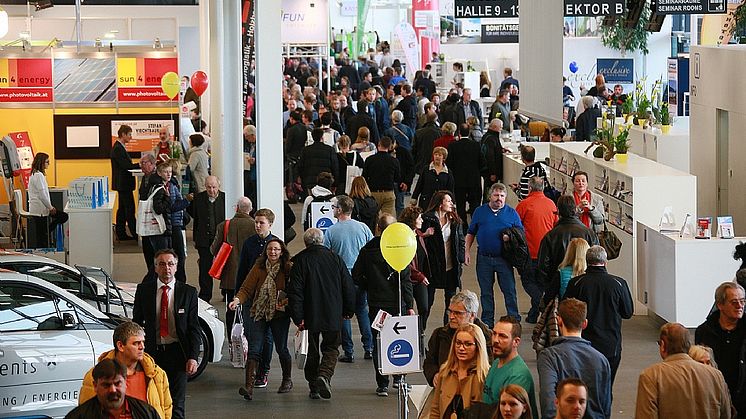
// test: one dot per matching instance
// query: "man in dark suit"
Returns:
(168, 311)
(362, 119)
(123, 182)
(207, 210)
(466, 162)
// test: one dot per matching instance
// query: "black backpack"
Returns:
(515, 250)
(365, 211)
(307, 218)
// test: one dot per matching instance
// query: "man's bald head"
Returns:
(674, 339)
(164, 133)
(244, 205)
(212, 186)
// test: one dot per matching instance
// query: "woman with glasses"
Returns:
(462, 376)
(264, 300)
(445, 247)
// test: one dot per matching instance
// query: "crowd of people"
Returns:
(380, 149)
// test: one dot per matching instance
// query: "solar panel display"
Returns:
(84, 80)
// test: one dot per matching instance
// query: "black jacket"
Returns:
(121, 162)
(372, 274)
(586, 124)
(408, 106)
(466, 161)
(185, 312)
(382, 172)
(320, 290)
(609, 301)
(406, 165)
(554, 245)
(366, 211)
(427, 84)
(437, 250)
(296, 140)
(206, 217)
(352, 75)
(92, 409)
(475, 109)
(146, 184)
(724, 346)
(492, 150)
(362, 120)
(429, 183)
(422, 145)
(314, 159)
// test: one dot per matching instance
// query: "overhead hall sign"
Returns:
(468, 9)
(688, 7)
(574, 8)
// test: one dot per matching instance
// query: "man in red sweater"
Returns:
(538, 215)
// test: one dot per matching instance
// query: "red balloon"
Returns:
(199, 82)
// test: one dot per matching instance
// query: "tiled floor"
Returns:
(353, 385)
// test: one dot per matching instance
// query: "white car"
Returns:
(49, 338)
(94, 286)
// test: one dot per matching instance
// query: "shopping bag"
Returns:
(301, 348)
(610, 242)
(216, 270)
(148, 222)
(239, 347)
(352, 172)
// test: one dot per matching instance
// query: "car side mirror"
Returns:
(68, 321)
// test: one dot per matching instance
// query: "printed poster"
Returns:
(144, 133)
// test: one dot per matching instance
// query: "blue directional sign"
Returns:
(400, 345)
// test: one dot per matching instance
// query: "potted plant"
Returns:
(628, 106)
(643, 110)
(621, 144)
(604, 141)
(666, 119)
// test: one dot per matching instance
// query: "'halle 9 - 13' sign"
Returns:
(577, 8)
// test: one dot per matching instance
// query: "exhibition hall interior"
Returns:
(372, 208)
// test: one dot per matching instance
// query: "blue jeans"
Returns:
(266, 352)
(487, 267)
(533, 287)
(361, 312)
(401, 197)
(279, 325)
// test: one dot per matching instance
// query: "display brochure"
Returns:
(725, 227)
(703, 228)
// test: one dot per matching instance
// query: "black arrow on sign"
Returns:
(398, 327)
(324, 209)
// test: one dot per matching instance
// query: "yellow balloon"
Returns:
(171, 84)
(398, 245)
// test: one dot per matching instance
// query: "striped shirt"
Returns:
(529, 172)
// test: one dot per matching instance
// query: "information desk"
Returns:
(91, 241)
(677, 277)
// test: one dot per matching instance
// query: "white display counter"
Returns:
(677, 277)
(671, 149)
(91, 240)
(513, 165)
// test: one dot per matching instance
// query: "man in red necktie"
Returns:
(167, 309)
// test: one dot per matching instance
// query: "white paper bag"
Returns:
(352, 172)
(148, 222)
(239, 347)
(301, 348)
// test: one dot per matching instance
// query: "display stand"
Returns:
(671, 149)
(91, 241)
(636, 191)
(513, 165)
(677, 276)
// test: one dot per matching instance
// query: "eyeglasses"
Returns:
(169, 264)
(737, 302)
(456, 313)
(465, 345)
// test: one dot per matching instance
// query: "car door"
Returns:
(45, 350)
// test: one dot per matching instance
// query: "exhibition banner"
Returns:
(24, 80)
(500, 33)
(305, 22)
(405, 35)
(248, 20)
(594, 7)
(139, 79)
(617, 70)
(144, 133)
(25, 154)
(468, 9)
(688, 7)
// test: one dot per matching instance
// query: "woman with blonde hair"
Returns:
(514, 403)
(572, 265)
(366, 207)
(485, 84)
(462, 376)
(703, 354)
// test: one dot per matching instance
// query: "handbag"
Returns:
(216, 270)
(352, 172)
(239, 347)
(301, 348)
(148, 222)
(610, 242)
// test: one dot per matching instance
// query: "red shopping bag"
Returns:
(216, 270)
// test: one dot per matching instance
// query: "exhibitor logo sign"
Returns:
(617, 70)
(500, 33)
(575, 8)
(468, 9)
(686, 7)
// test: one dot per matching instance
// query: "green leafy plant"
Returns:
(739, 27)
(619, 37)
(666, 116)
(621, 141)
(643, 107)
(610, 143)
(628, 106)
